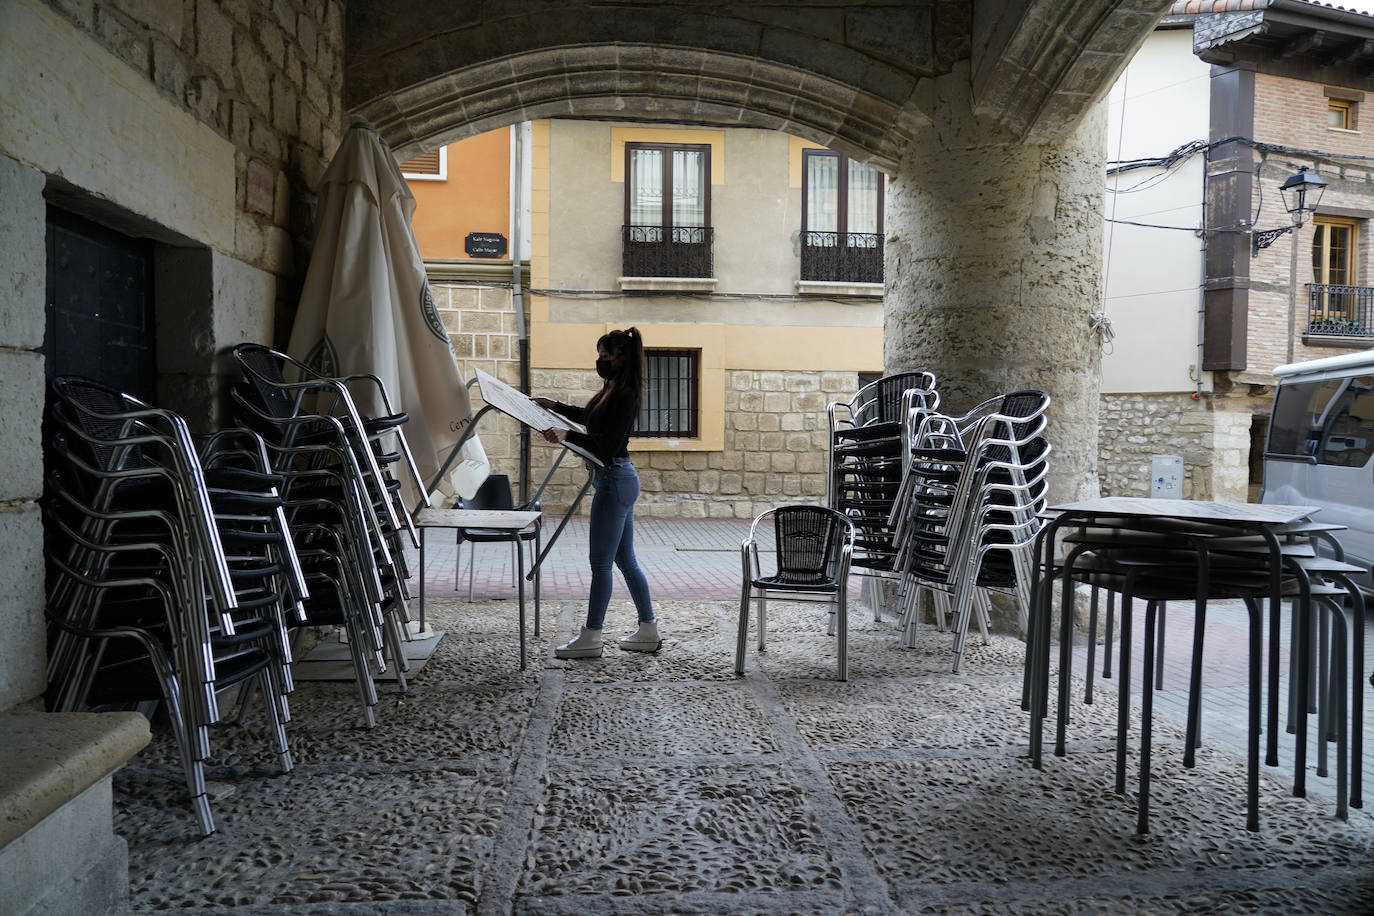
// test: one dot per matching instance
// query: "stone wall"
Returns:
(481, 326)
(1211, 435)
(267, 76)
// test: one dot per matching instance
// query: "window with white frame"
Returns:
(430, 166)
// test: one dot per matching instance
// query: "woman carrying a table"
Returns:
(609, 417)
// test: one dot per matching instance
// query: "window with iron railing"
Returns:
(671, 403)
(667, 231)
(842, 219)
(1336, 306)
(1340, 311)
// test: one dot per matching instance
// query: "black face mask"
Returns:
(603, 369)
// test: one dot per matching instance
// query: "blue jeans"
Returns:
(612, 541)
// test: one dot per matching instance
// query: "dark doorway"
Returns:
(99, 305)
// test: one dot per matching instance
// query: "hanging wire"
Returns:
(1100, 323)
(1094, 323)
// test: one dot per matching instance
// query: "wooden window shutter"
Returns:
(423, 164)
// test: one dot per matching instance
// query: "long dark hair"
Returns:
(629, 346)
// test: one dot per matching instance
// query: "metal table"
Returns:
(499, 520)
(1187, 520)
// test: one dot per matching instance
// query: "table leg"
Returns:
(538, 575)
(520, 562)
(1298, 680)
(1123, 698)
(1147, 706)
(1256, 611)
(422, 579)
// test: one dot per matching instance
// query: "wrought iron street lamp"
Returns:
(1301, 193)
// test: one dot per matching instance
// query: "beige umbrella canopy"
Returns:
(366, 307)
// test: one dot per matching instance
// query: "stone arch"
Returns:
(682, 85)
(843, 75)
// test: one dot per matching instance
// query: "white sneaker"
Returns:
(586, 645)
(645, 639)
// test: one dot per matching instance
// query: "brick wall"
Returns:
(1293, 113)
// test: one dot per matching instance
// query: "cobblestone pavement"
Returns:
(664, 784)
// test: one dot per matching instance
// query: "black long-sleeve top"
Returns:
(608, 424)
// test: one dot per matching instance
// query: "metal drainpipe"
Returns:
(1202, 286)
(517, 299)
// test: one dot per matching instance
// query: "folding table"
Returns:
(499, 520)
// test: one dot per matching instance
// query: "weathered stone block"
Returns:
(21, 408)
(124, 42)
(215, 40)
(771, 381)
(23, 257)
(22, 652)
(253, 70)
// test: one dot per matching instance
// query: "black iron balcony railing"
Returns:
(656, 251)
(1340, 311)
(842, 257)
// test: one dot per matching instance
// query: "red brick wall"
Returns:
(1293, 113)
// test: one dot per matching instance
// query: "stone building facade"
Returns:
(1209, 120)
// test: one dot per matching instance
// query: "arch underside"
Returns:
(636, 82)
(856, 76)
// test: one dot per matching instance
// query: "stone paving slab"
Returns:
(661, 783)
(312, 837)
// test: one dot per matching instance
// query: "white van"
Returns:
(1321, 446)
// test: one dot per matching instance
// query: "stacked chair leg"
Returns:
(170, 576)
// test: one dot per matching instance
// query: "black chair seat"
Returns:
(795, 584)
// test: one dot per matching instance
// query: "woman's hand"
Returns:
(545, 403)
(555, 434)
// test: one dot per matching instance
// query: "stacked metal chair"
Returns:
(169, 581)
(344, 502)
(867, 449)
(970, 498)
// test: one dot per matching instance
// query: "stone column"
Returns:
(993, 262)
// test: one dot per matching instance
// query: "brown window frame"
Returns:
(1346, 108)
(667, 178)
(842, 205)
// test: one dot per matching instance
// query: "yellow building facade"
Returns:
(746, 346)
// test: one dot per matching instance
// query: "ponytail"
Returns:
(629, 346)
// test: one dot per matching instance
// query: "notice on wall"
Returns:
(485, 245)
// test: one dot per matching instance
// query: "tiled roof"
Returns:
(1189, 7)
(1194, 7)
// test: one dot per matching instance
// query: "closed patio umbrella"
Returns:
(366, 307)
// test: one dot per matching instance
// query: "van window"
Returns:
(1331, 421)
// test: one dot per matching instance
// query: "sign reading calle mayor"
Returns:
(485, 245)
